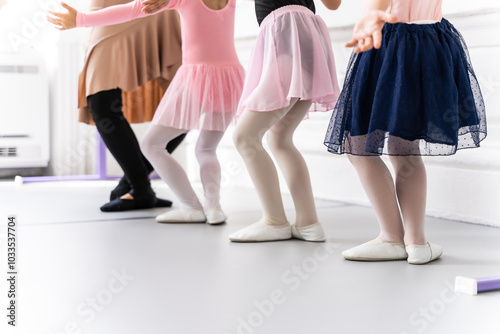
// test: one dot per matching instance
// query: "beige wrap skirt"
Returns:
(140, 57)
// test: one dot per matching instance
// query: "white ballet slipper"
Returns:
(421, 254)
(215, 216)
(182, 215)
(377, 250)
(260, 231)
(312, 232)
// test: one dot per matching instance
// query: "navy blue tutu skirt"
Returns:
(416, 95)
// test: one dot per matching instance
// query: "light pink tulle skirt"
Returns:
(293, 57)
(201, 96)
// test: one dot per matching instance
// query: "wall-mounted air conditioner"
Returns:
(24, 111)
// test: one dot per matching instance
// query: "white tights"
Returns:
(248, 136)
(171, 172)
(407, 193)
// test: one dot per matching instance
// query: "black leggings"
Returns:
(106, 109)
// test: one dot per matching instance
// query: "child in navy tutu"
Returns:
(414, 94)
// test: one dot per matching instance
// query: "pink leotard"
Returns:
(416, 10)
(207, 34)
(205, 92)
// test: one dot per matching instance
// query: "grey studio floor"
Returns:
(83, 271)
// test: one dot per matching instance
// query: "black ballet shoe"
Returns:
(163, 203)
(120, 204)
(145, 198)
(121, 189)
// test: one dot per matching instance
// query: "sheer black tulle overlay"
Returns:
(416, 95)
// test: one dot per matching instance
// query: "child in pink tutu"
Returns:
(291, 72)
(203, 95)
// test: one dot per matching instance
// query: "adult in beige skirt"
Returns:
(127, 69)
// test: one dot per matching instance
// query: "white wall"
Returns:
(24, 28)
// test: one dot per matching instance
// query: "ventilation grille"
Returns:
(8, 151)
(14, 136)
(18, 69)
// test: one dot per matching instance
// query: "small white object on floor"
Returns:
(472, 286)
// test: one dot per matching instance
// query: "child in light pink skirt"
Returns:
(291, 72)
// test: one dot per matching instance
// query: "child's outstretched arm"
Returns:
(63, 21)
(367, 32)
(106, 16)
(331, 4)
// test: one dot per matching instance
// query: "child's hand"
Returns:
(367, 32)
(3, 2)
(331, 4)
(63, 21)
(152, 6)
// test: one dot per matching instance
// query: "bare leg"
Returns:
(293, 165)
(379, 187)
(411, 189)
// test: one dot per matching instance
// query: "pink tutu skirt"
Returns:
(293, 57)
(201, 96)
